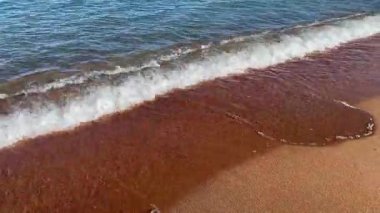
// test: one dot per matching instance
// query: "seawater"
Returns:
(38, 35)
(121, 54)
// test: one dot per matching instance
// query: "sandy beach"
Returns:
(341, 178)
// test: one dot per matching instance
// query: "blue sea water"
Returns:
(38, 35)
(63, 63)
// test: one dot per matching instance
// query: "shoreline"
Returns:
(58, 106)
(162, 151)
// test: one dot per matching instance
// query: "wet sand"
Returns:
(343, 178)
(164, 151)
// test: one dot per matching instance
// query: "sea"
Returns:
(67, 62)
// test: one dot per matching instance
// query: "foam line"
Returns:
(100, 101)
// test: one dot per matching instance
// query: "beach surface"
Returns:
(342, 178)
(273, 139)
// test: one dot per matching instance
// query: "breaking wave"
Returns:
(98, 101)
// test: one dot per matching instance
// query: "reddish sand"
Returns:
(163, 151)
(343, 178)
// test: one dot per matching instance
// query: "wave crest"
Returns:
(106, 99)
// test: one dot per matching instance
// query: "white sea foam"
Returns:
(80, 79)
(138, 88)
(3, 96)
(346, 104)
(84, 77)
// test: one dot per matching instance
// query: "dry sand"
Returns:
(341, 178)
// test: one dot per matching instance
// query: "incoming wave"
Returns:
(145, 86)
(148, 60)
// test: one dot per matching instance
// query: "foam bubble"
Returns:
(103, 100)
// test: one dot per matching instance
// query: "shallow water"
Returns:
(59, 35)
(166, 47)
